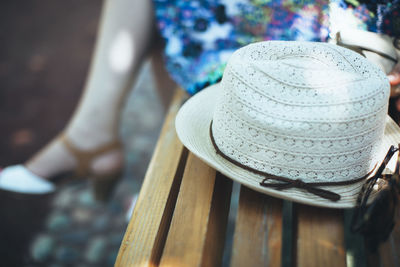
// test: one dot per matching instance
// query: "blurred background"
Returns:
(45, 51)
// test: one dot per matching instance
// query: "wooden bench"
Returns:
(181, 219)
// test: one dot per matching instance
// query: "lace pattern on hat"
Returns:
(302, 110)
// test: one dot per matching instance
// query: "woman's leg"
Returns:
(124, 38)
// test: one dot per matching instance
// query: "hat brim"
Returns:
(192, 126)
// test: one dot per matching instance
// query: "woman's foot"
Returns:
(64, 155)
(18, 178)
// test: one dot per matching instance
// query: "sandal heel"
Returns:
(103, 187)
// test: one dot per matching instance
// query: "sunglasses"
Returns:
(375, 219)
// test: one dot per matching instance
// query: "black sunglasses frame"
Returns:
(376, 220)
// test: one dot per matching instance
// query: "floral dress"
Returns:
(201, 35)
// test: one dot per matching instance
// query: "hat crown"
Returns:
(301, 110)
(304, 71)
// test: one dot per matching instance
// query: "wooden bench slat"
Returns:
(258, 230)
(390, 250)
(320, 237)
(217, 224)
(197, 233)
(145, 236)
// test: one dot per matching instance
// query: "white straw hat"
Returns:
(310, 117)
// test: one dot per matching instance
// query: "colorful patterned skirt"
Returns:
(201, 35)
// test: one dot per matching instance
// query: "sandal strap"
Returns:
(85, 158)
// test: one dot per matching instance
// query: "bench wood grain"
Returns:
(258, 230)
(145, 236)
(197, 233)
(320, 237)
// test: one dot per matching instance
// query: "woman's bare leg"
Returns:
(124, 38)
